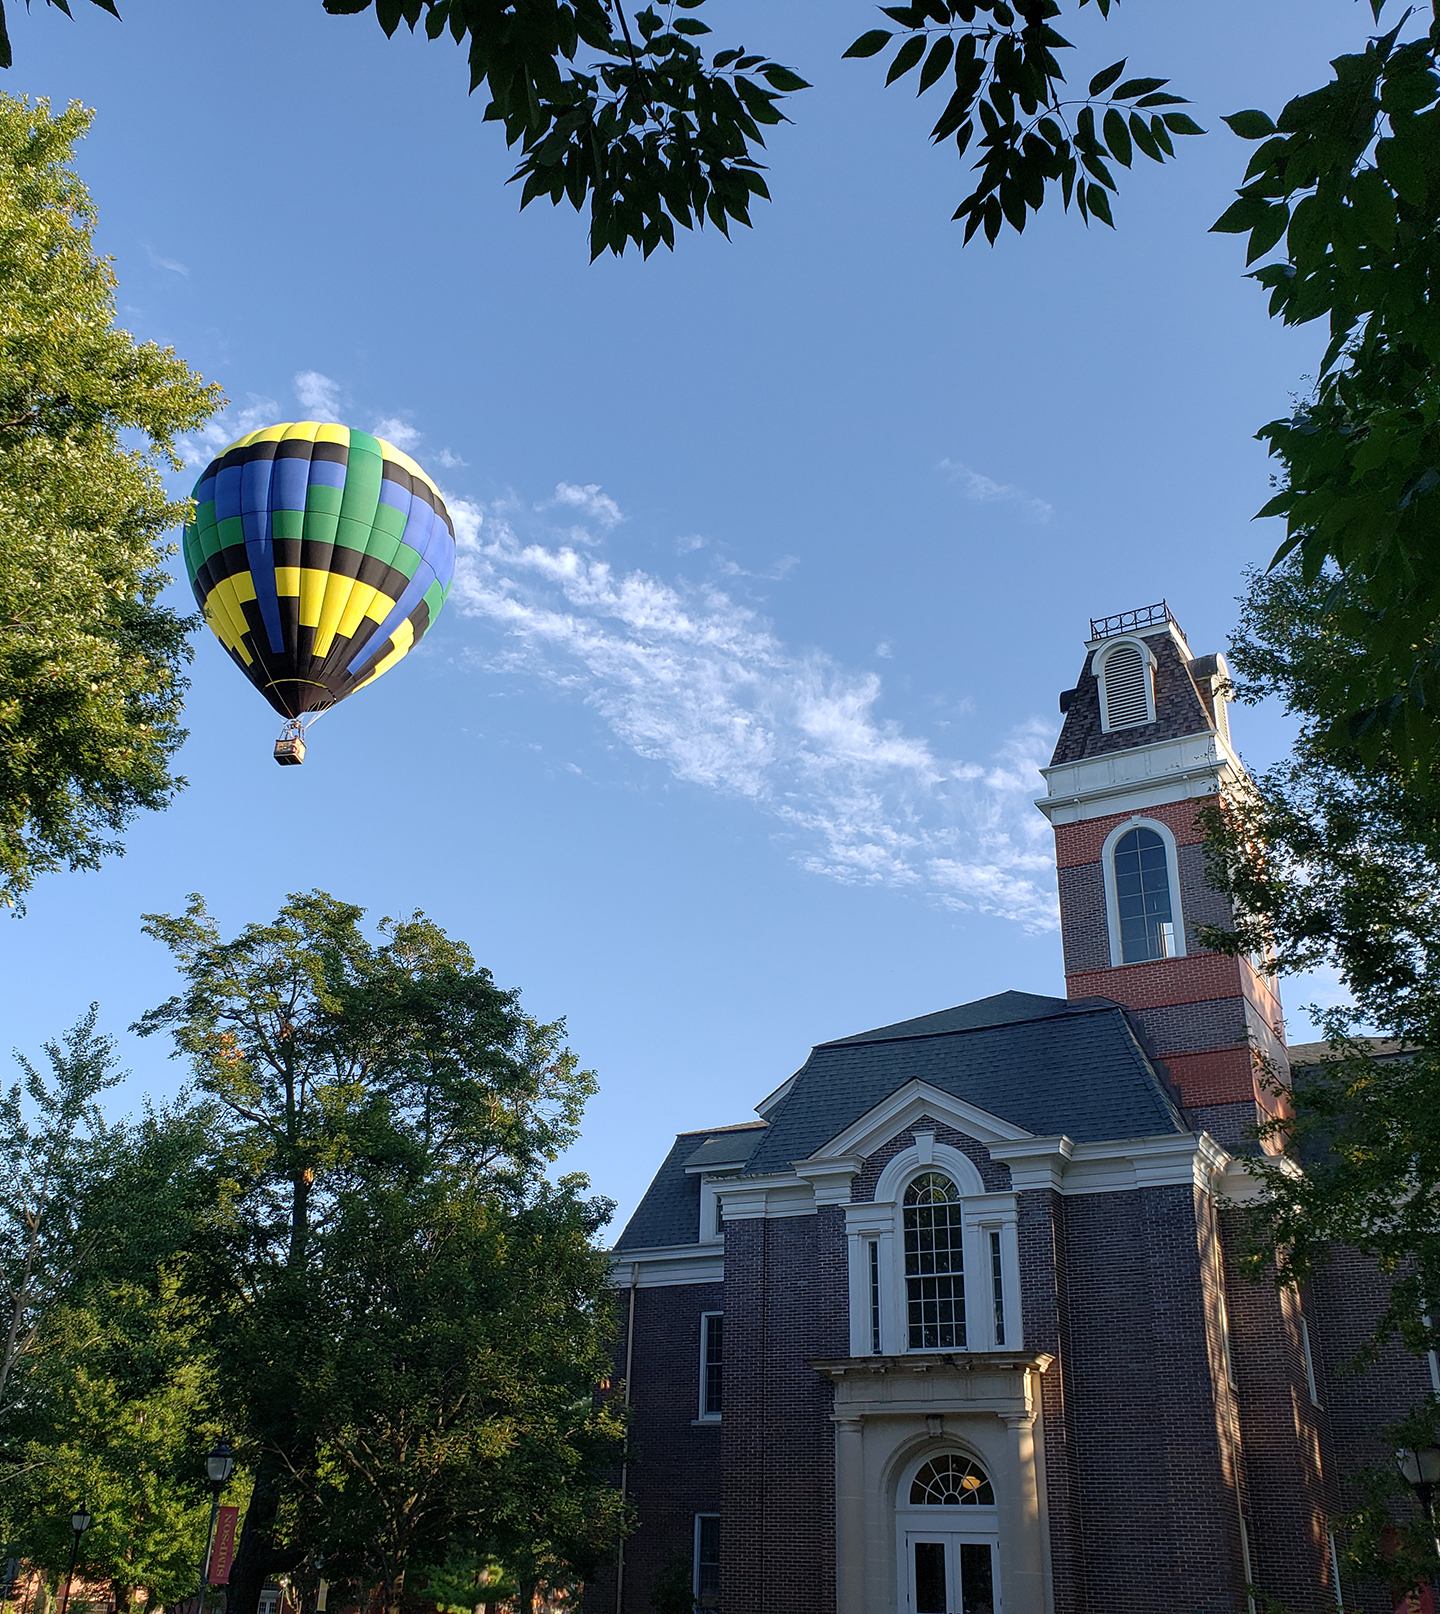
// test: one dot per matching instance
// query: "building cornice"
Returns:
(667, 1265)
(1059, 1163)
(1176, 769)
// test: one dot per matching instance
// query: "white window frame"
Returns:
(881, 1222)
(1307, 1353)
(1112, 898)
(1147, 664)
(712, 1231)
(703, 1415)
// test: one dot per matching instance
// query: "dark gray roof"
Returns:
(1047, 1064)
(1180, 706)
(670, 1210)
(1003, 1009)
(731, 1146)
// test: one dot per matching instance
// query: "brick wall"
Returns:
(1286, 1437)
(674, 1464)
(1157, 1496)
(787, 1300)
(1044, 1302)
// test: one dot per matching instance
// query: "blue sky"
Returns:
(775, 552)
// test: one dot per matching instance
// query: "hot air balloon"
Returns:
(320, 556)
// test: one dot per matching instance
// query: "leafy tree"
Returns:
(55, 1146)
(1333, 860)
(90, 660)
(386, 1112)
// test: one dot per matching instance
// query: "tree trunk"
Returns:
(257, 1557)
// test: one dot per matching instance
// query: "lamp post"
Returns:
(1420, 1469)
(79, 1523)
(219, 1466)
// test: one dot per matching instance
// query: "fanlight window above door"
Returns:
(951, 1481)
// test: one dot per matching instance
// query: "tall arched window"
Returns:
(1126, 687)
(934, 1264)
(1142, 897)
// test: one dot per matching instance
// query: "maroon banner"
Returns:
(222, 1555)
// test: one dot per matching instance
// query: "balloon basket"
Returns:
(290, 747)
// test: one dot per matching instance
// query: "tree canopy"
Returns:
(90, 658)
(409, 1317)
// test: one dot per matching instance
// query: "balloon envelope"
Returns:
(320, 556)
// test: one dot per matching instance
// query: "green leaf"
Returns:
(781, 78)
(1139, 86)
(1144, 139)
(1103, 80)
(1241, 216)
(906, 58)
(1181, 124)
(1117, 137)
(936, 62)
(1251, 125)
(1268, 231)
(870, 44)
(1099, 204)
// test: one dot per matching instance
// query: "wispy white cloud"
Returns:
(691, 679)
(400, 432)
(172, 264)
(690, 543)
(981, 489)
(589, 501)
(774, 573)
(884, 650)
(318, 395)
(448, 460)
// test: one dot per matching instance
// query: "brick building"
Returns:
(955, 1326)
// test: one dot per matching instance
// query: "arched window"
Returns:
(934, 1264)
(1126, 687)
(951, 1481)
(1142, 897)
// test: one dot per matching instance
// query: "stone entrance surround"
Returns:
(890, 1411)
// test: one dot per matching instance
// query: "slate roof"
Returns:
(670, 1210)
(1050, 1065)
(1180, 705)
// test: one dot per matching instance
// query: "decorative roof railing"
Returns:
(1146, 616)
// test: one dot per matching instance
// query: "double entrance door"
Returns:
(950, 1573)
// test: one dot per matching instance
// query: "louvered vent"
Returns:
(1125, 693)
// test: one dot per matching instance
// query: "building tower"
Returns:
(1146, 738)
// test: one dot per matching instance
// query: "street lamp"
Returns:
(218, 1465)
(1420, 1469)
(79, 1523)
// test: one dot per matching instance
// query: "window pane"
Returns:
(714, 1346)
(977, 1578)
(707, 1560)
(934, 1264)
(929, 1577)
(1142, 897)
(875, 1296)
(997, 1282)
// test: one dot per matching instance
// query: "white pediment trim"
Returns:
(902, 1109)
